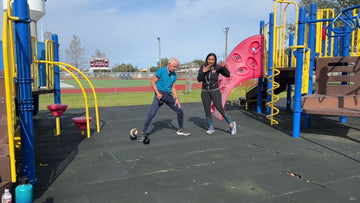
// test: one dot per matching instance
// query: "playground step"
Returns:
(286, 76)
(251, 95)
(340, 105)
(43, 91)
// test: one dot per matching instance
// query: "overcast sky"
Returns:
(127, 30)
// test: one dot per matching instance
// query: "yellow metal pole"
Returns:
(9, 90)
(93, 90)
(58, 125)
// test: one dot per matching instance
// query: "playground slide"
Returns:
(244, 62)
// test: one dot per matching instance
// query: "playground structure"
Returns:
(34, 71)
(322, 43)
(318, 42)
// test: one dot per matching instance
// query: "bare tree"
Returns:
(99, 54)
(336, 5)
(47, 35)
(75, 54)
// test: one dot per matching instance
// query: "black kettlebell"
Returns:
(146, 140)
(161, 102)
(133, 137)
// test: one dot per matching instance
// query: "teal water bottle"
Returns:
(24, 191)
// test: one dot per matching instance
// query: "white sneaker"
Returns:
(142, 137)
(182, 132)
(233, 128)
(211, 130)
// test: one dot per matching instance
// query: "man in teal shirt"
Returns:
(165, 92)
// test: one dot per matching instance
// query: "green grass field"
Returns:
(114, 99)
(123, 98)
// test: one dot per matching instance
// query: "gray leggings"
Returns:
(215, 97)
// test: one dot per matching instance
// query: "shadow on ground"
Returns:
(320, 124)
(54, 153)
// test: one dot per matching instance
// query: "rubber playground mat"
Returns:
(261, 163)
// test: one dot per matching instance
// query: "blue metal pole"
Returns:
(270, 57)
(260, 80)
(311, 43)
(298, 74)
(57, 96)
(341, 42)
(346, 52)
(41, 66)
(289, 87)
(291, 43)
(336, 45)
(25, 105)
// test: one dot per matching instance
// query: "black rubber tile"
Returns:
(319, 194)
(262, 163)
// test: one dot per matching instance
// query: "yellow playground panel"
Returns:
(280, 56)
(324, 51)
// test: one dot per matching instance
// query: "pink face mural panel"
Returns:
(244, 62)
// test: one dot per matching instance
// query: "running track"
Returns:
(124, 89)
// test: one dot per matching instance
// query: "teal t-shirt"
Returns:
(165, 81)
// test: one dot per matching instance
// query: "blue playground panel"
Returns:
(42, 66)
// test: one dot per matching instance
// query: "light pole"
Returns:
(226, 30)
(158, 38)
